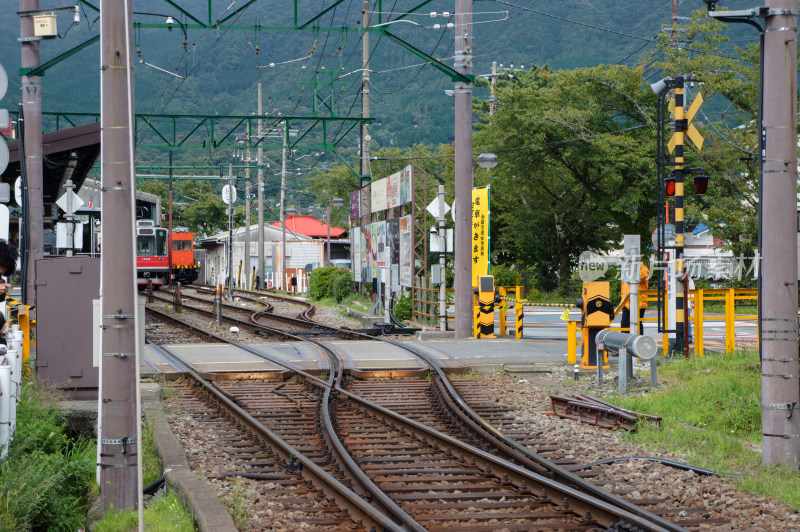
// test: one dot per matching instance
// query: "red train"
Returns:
(152, 258)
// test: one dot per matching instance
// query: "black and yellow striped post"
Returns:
(484, 317)
(679, 140)
(503, 326)
(519, 314)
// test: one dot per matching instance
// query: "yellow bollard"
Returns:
(519, 314)
(503, 310)
(730, 333)
(698, 322)
(572, 342)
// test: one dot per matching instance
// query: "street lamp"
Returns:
(336, 202)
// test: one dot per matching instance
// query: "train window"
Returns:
(181, 245)
(145, 246)
(161, 242)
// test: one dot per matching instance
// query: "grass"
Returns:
(711, 415)
(46, 477)
(239, 502)
(166, 513)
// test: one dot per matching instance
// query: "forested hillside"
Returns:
(221, 71)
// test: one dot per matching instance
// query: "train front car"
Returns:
(184, 268)
(152, 263)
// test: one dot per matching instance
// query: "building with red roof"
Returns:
(309, 226)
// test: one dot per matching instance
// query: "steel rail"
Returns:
(596, 497)
(321, 478)
(587, 502)
(515, 449)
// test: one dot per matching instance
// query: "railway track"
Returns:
(404, 463)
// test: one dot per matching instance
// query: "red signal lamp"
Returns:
(669, 186)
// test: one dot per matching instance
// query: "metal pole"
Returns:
(780, 386)
(463, 170)
(492, 105)
(260, 274)
(32, 109)
(680, 128)
(328, 220)
(69, 186)
(117, 438)
(284, 160)
(230, 235)
(442, 262)
(247, 233)
(169, 240)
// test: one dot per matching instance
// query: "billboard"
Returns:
(355, 253)
(481, 252)
(404, 229)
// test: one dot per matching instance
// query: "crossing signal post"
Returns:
(672, 186)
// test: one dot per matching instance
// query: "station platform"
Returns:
(461, 355)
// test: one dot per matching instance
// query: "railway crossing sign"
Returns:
(691, 131)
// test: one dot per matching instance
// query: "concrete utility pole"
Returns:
(32, 109)
(247, 272)
(260, 272)
(169, 249)
(230, 282)
(463, 170)
(365, 169)
(780, 386)
(284, 160)
(118, 364)
(365, 137)
(493, 83)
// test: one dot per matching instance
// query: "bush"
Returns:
(46, 477)
(402, 308)
(504, 276)
(319, 282)
(341, 284)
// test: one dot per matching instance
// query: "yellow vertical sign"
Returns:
(480, 233)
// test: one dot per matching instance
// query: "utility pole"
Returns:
(247, 272)
(493, 83)
(32, 110)
(780, 386)
(260, 274)
(230, 234)
(365, 169)
(284, 161)
(169, 249)
(117, 438)
(463, 170)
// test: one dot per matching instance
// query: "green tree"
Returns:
(728, 122)
(577, 166)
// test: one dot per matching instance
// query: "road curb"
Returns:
(207, 510)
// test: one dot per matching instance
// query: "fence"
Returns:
(729, 297)
(425, 303)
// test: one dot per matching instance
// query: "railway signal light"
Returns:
(669, 185)
(700, 184)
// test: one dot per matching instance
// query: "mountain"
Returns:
(219, 66)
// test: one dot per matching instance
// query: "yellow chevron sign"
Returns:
(691, 131)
